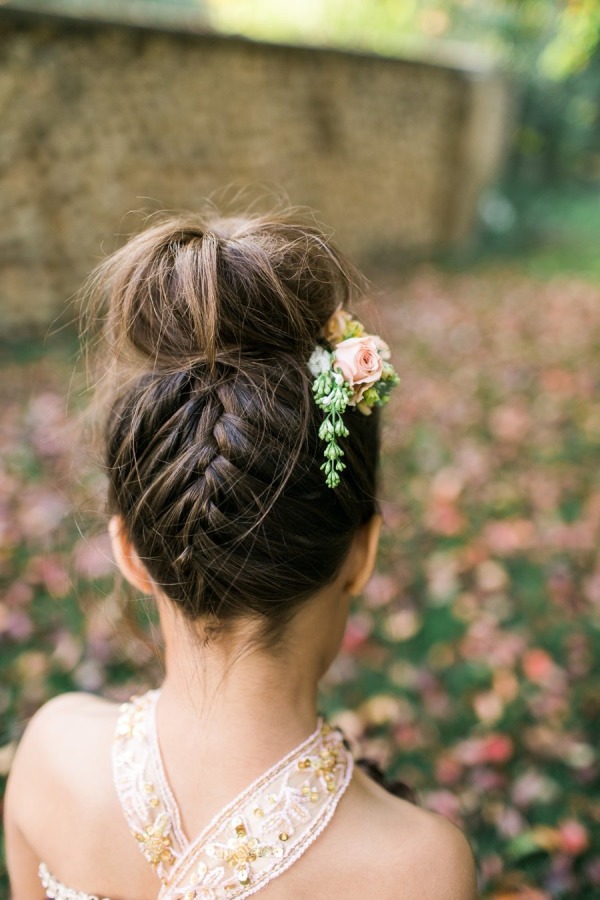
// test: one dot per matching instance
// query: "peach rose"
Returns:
(360, 363)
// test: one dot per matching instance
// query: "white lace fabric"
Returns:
(253, 840)
(58, 891)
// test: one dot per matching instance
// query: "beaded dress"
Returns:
(255, 838)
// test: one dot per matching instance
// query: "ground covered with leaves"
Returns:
(470, 669)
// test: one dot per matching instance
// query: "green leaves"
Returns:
(332, 395)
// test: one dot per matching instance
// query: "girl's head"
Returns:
(212, 447)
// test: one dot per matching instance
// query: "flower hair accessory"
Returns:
(355, 372)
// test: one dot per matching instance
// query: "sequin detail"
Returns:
(253, 839)
(141, 784)
(57, 891)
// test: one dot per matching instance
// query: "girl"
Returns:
(241, 441)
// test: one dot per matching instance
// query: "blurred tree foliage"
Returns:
(553, 49)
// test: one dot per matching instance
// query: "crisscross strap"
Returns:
(145, 796)
(253, 839)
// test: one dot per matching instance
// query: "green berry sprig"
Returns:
(332, 395)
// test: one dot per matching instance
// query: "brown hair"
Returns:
(211, 433)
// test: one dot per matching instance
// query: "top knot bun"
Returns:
(190, 289)
(211, 432)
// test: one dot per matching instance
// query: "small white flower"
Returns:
(319, 361)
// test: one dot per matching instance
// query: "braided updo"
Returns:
(211, 430)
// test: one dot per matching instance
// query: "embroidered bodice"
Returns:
(255, 838)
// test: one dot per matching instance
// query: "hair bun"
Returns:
(212, 438)
(190, 289)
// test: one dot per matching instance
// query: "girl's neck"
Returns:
(232, 693)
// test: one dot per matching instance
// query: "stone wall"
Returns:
(99, 119)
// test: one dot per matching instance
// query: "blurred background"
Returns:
(453, 147)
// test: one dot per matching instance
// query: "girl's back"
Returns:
(377, 845)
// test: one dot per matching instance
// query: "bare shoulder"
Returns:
(420, 850)
(65, 742)
(65, 719)
(67, 705)
(63, 737)
(76, 703)
(442, 860)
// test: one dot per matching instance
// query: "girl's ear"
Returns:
(127, 559)
(364, 551)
